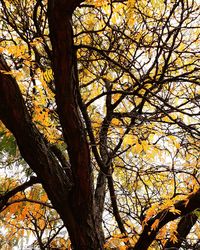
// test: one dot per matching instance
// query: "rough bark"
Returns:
(72, 198)
(83, 234)
(72, 192)
(100, 193)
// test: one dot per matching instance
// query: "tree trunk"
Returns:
(72, 193)
(60, 188)
(83, 233)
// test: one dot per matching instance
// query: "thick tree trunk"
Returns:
(72, 194)
(83, 233)
(60, 188)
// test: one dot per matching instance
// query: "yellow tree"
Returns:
(102, 98)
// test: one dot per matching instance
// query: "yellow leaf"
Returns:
(145, 145)
(174, 210)
(48, 75)
(173, 238)
(138, 148)
(130, 139)
(122, 248)
(155, 224)
(177, 145)
(2, 49)
(115, 122)
(157, 3)
(166, 119)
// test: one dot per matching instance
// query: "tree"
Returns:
(102, 102)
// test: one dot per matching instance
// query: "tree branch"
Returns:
(32, 145)
(4, 198)
(114, 205)
(183, 229)
(184, 206)
(64, 66)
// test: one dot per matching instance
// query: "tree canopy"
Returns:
(100, 124)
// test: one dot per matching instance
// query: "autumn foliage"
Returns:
(99, 124)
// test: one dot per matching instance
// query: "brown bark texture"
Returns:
(72, 194)
(83, 232)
